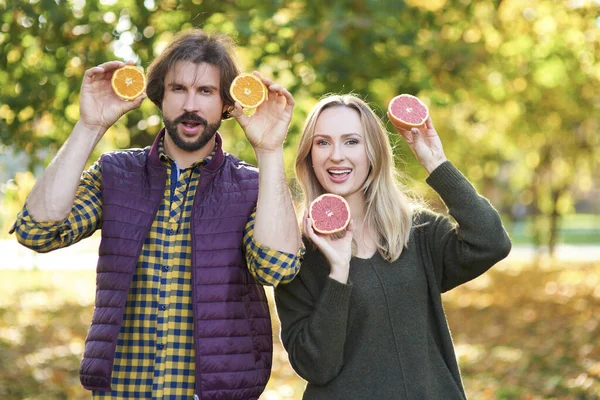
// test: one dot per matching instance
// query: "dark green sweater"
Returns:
(384, 335)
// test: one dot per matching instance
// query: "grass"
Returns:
(574, 229)
(520, 332)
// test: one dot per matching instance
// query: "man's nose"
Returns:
(190, 104)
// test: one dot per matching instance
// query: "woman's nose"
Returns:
(337, 153)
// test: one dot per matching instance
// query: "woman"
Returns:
(364, 317)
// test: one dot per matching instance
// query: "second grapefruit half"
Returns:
(407, 111)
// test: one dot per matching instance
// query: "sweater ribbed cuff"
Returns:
(335, 294)
(448, 181)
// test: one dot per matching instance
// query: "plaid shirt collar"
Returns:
(166, 160)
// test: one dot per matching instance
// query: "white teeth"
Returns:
(340, 171)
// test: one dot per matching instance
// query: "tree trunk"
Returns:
(554, 220)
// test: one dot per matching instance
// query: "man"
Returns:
(186, 231)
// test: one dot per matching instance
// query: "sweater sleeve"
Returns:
(313, 326)
(463, 250)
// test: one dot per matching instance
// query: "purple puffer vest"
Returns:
(232, 325)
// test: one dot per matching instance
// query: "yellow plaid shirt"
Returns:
(155, 350)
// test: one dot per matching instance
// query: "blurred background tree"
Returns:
(513, 86)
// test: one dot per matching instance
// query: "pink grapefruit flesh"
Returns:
(407, 111)
(330, 213)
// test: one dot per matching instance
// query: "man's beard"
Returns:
(205, 137)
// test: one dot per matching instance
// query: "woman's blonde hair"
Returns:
(389, 210)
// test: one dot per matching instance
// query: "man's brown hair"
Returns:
(198, 47)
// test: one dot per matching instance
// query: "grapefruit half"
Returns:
(407, 111)
(330, 213)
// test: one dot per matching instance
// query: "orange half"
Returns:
(248, 90)
(128, 82)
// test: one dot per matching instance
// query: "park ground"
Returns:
(528, 329)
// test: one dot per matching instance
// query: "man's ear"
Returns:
(227, 109)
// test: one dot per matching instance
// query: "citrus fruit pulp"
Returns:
(407, 111)
(330, 213)
(248, 90)
(128, 82)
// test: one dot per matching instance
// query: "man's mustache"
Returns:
(191, 117)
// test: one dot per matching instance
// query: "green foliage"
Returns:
(512, 86)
